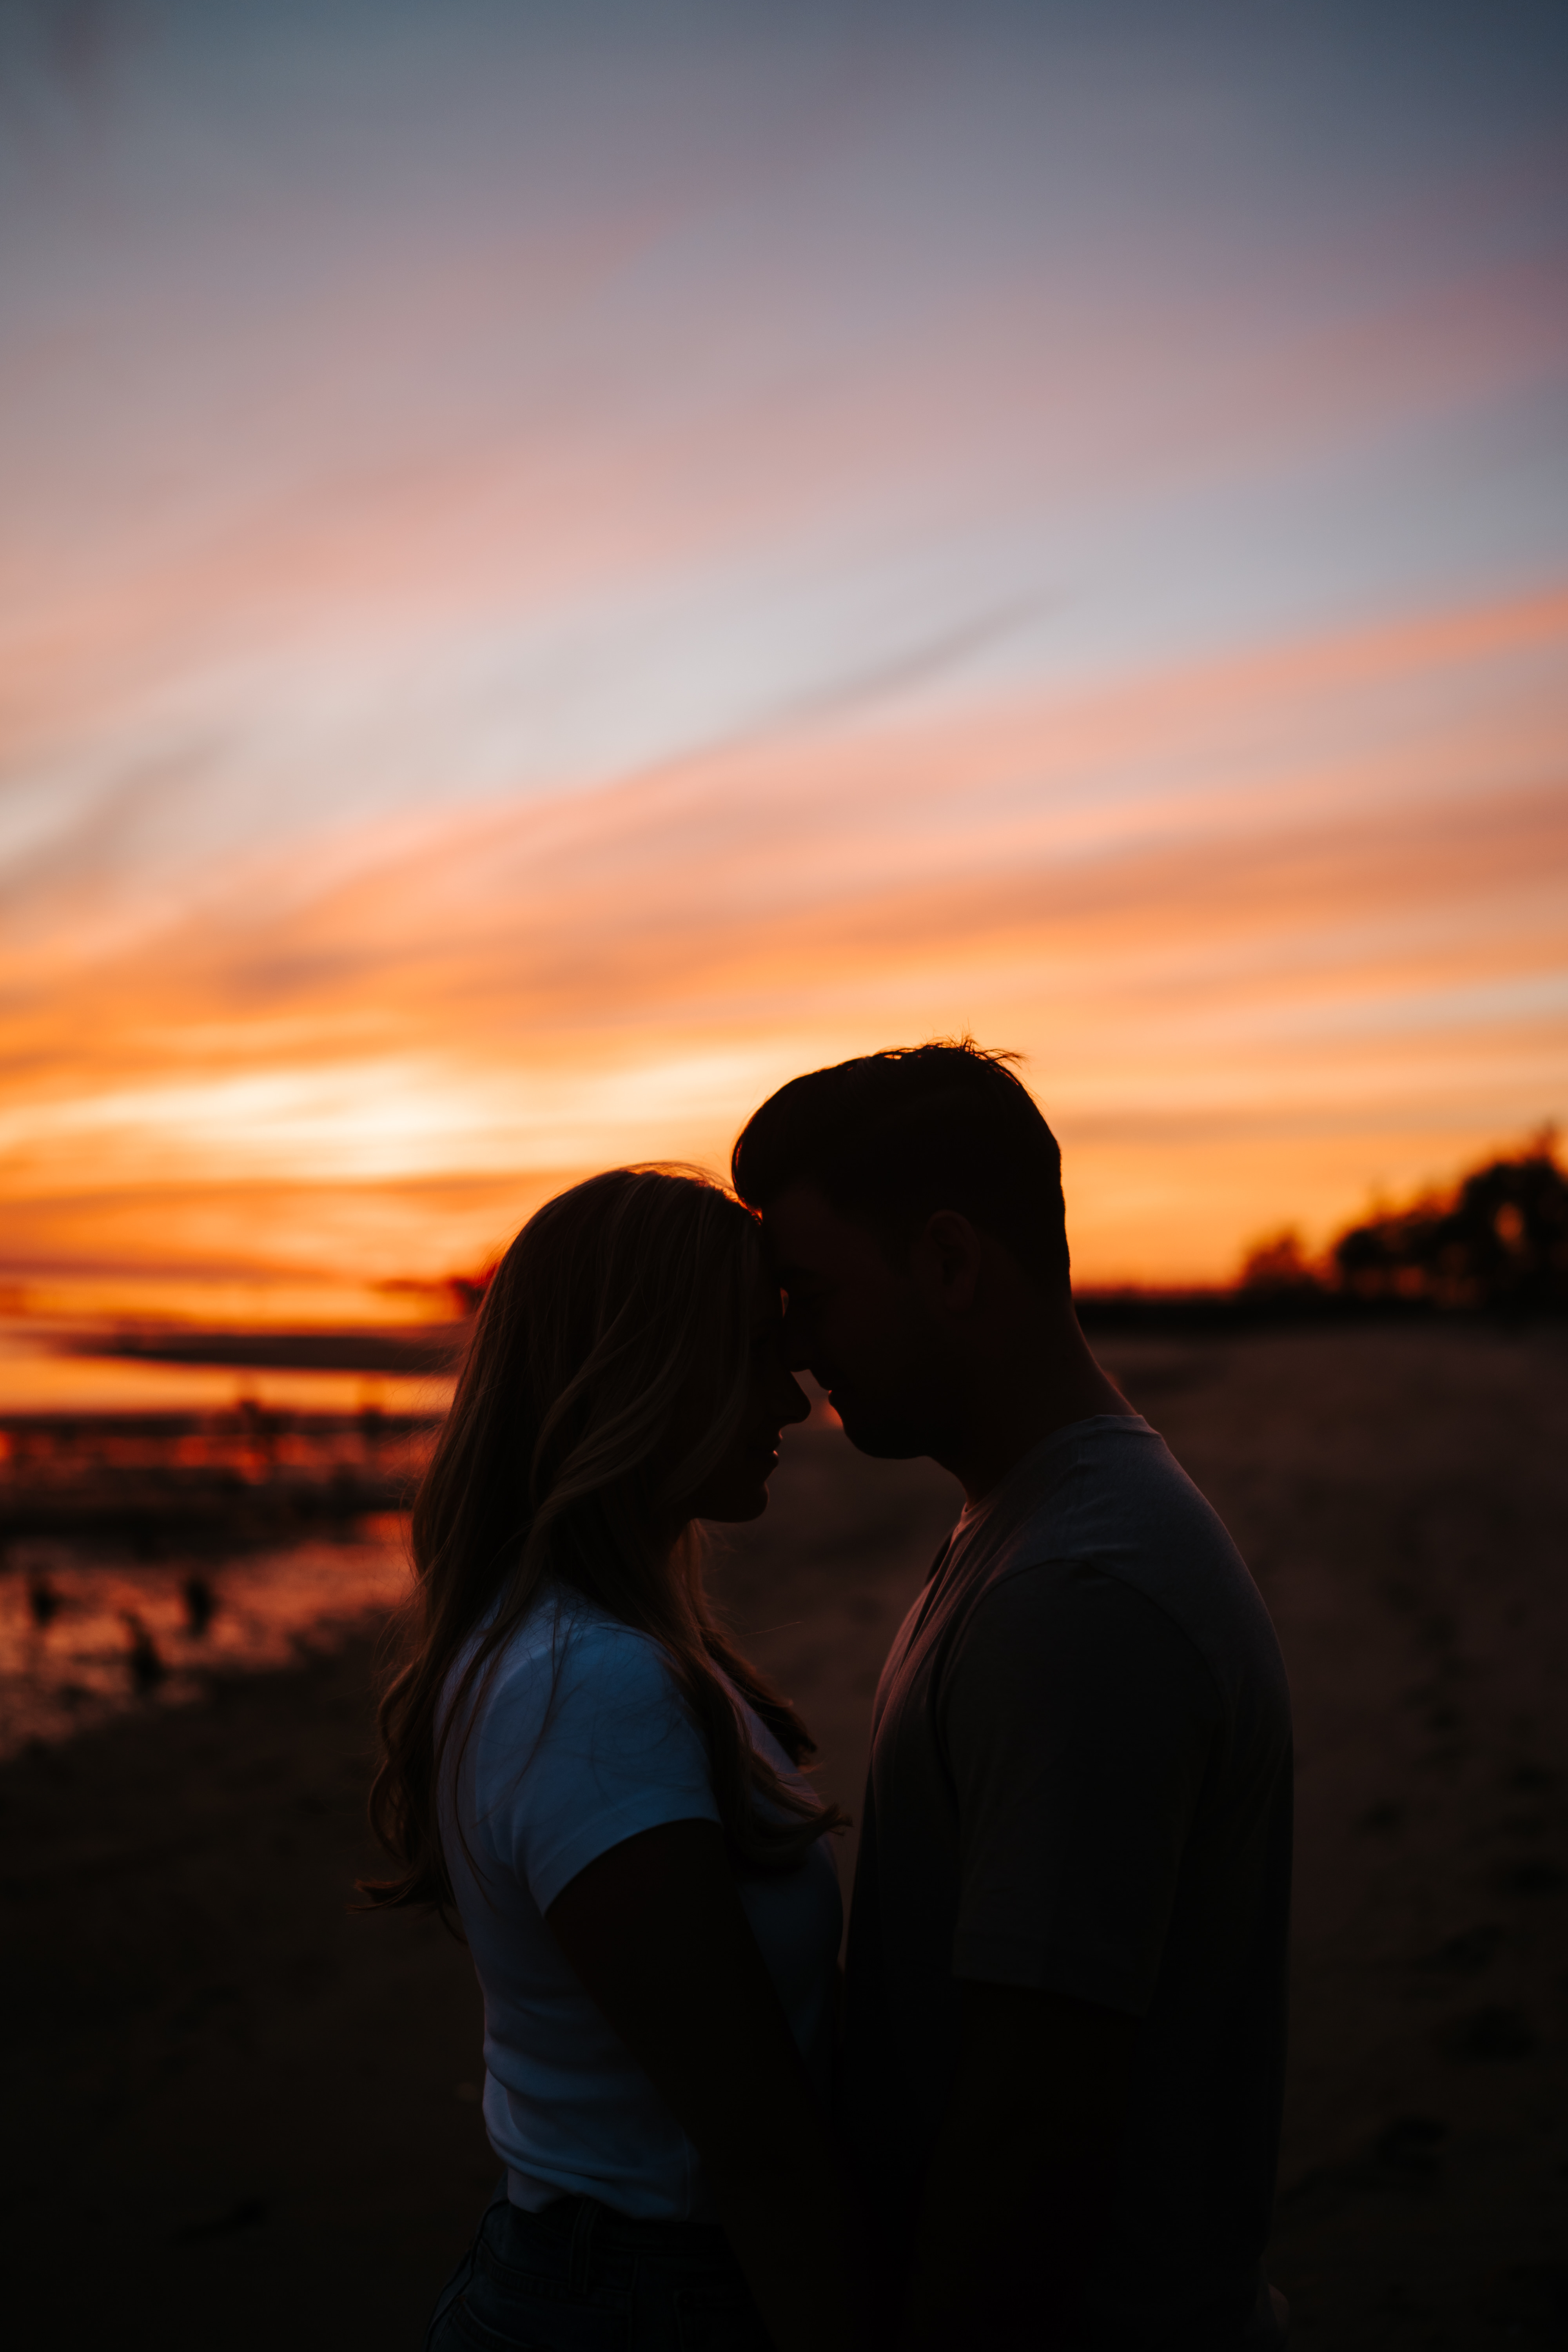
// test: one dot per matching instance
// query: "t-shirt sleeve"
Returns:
(1077, 1721)
(590, 1746)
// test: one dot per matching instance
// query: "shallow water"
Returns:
(84, 1637)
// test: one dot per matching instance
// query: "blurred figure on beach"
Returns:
(580, 1765)
(1066, 2002)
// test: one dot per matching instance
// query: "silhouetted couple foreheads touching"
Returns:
(1045, 2109)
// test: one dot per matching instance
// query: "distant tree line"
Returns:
(1499, 1238)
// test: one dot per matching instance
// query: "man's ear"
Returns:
(945, 1259)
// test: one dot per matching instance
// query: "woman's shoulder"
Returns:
(568, 1651)
(581, 1739)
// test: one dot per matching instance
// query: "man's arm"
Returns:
(654, 1931)
(1020, 2182)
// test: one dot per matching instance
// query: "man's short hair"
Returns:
(891, 1137)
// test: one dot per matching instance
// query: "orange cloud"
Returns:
(1275, 912)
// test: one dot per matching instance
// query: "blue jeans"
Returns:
(579, 2278)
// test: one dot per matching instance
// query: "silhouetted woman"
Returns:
(578, 1762)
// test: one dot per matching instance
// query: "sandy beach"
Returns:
(241, 2115)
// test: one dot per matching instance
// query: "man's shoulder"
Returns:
(1107, 1493)
(1118, 1514)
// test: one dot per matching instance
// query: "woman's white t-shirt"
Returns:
(581, 1741)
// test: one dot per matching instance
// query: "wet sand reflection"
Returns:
(84, 1639)
(142, 1555)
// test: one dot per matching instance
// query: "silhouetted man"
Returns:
(1067, 1955)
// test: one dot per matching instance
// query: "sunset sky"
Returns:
(561, 565)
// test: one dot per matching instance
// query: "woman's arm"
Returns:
(654, 1930)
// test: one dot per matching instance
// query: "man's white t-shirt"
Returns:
(583, 1740)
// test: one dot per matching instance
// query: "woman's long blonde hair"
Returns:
(607, 1375)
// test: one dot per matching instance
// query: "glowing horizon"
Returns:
(559, 575)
